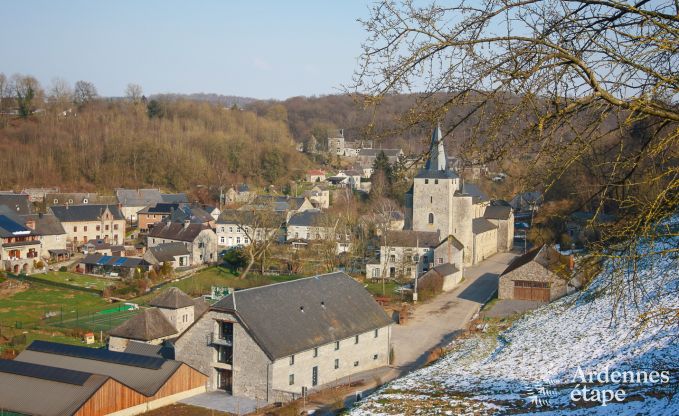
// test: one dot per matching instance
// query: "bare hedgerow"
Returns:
(583, 93)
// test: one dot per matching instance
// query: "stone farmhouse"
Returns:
(199, 239)
(171, 313)
(542, 274)
(404, 254)
(271, 342)
(176, 254)
(319, 196)
(52, 379)
(85, 222)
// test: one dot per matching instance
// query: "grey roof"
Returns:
(473, 190)
(482, 225)
(146, 381)
(138, 197)
(249, 217)
(290, 317)
(454, 241)
(308, 218)
(147, 325)
(172, 298)
(374, 152)
(196, 215)
(174, 198)
(168, 251)
(410, 238)
(177, 231)
(437, 161)
(18, 203)
(520, 201)
(78, 198)
(495, 212)
(279, 203)
(436, 174)
(45, 224)
(446, 269)
(164, 350)
(31, 395)
(90, 212)
(159, 208)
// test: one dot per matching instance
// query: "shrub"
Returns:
(63, 269)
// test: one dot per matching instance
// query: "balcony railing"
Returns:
(226, 340)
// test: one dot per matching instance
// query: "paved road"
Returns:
(437, 322)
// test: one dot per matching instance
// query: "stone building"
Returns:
(154, 214)
(176, 254)
(541, 274)
(271, 342)
(87, 222)
(404, 254)
(199, 239)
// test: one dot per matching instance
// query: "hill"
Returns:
(533, 366)
(224, 100)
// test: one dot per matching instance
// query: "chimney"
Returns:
(186, 223)
(30, 224)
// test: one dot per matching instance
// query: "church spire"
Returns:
(437, 154)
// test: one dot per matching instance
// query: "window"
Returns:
(375, 357)
(237, 240)
(377, 331)
(292, 359)
(336, 345)
(226, 330)
(376, 272)
(355, 363)
(439, 260)
(336, 363)
(98, 227)
(436, 181)
(225, 354)
(431, 218)
(426, 181)
(221, 240)
(75, 229)
(230, 229)
(356, 339)
(431, 199)
(115, 226)
(106, 227)
(315, 352)
(416, 258)
(291, 379)
(392, 258)
(85, 228)
(246, 240)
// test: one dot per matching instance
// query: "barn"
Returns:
(541, 275)
(58, 379)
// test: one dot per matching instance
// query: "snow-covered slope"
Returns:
(532, 367)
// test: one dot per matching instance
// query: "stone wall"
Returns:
(485, 245)
(531, 271)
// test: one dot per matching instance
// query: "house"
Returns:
(199, 239)
(19, 244)
(103, 247)
(239, 194)
(542, 274)
(115, 266)
(527, 201)
(309, 225)
(377, 222)
(171, 313)
(77, 198)
(213, 211)
(280, 203)
(335, 142)
(583, 226)
(51, 234)
(347, 179)
(134, 200)
(272, 342)
(485, 239)
(315, 175)
(192, 213)
(176, 254)
(500, 214)
(235, 227)
(38, 194)
(404, 254)
(52, 379)
(86, 222)
(319, 196)
(148, 216)
(366, 158)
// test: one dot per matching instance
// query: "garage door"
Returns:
(529, 290)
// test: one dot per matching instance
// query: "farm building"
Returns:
(57, 379)
(112, 265)
(541, 274)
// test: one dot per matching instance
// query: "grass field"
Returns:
(75, 279)
(31, 305)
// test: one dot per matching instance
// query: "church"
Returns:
(440, 203)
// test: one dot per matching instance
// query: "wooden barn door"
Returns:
(530, 290)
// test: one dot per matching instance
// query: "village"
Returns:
(262, 299)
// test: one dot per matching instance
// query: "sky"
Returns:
(262, 49)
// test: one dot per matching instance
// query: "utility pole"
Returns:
(417, 277)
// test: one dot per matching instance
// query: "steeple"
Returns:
(437, 155)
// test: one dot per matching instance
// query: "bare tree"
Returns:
(569, 85)
(60, 91)
(4, 90)
(133, 92)
(84, 93)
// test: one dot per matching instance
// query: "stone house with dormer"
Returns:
(199, 239)
(87, 222)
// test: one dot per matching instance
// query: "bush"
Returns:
(39, 264)
(63, 269)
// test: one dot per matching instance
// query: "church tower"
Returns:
(437, 204)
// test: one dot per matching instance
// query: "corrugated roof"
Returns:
(147, 325)
(90, 212)
(286, 318)
(172, 298)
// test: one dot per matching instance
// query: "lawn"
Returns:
(376, 288)
(81, 280)
(31, 305)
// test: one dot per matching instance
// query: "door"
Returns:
(530, 290)
(314, 376)
(224, 380)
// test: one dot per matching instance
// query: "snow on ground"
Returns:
(530, 367)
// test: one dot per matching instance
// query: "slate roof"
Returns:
(374, 152)
(446, 269)
(146, 381)
(27, 388)
(167, 251)
(10, 227)
(174, 198)
(290, 317)
(159, 208)
(196, 215)
(18, 203)
(172, 298)
(436, 174)
(482, 225)
(45, 224)
(147, 325)
(245, 217)
(474, 191)
(177, 231)
(522, 260)
(495, 212)
(78, 198)
(456, 243)
(164, 350)
(279, 203)
(138, 197)
(90, 212)
(410, 238)
(308, 218)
